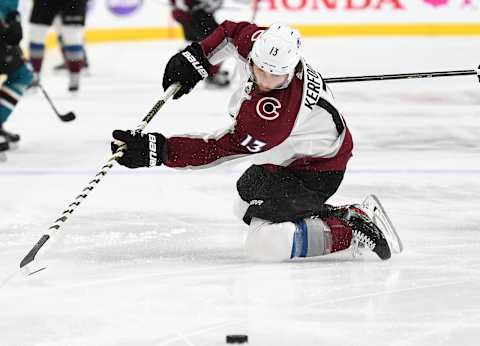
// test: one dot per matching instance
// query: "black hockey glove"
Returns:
(12, 32)
(187, 68)
(143, 149)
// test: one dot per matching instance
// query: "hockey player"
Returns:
(73, 14)
(197, 20)
(12, 64)
(284, 116)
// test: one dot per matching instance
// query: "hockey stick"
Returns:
(405, 76)
(63, 117)
(91, 185)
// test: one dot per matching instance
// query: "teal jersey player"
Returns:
(12, 64)
(7, 6)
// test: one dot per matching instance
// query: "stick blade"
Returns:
(67, 117)
(33, 252)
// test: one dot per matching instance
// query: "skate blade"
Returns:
(3, 157)
(380, 217)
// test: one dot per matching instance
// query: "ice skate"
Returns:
(366, 233)
(374, 209)
(218, 80)
(11, 139)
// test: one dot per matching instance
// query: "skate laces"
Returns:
(362, 230)
(360, 237)
(356, 251)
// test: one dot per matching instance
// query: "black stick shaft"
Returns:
(401, 76)
(49, 99)
(56, 226)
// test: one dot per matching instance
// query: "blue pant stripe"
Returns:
(73, 48)
(300, 240)
(37, 46)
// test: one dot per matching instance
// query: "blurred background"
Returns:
(113, 20)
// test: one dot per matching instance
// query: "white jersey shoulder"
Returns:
(319, 129)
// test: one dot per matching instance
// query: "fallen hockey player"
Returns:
(285, 115)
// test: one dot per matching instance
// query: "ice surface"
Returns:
(155, 257)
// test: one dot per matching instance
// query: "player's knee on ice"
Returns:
(276, 242)
(270, 242)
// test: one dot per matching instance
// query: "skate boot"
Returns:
(218, 80)
(372, 206)
(11, 139)
(4, 146)
(366, 233)
(74, 82)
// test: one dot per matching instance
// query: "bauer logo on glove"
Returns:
(188, 68)
(142, 149)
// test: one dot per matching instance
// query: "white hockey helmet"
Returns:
(277, 50)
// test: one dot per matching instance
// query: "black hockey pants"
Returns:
(283, 194)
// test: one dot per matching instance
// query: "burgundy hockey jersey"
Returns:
(297, 127)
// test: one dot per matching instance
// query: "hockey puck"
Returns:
(237, 339)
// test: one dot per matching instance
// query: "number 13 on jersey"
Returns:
(253, 145)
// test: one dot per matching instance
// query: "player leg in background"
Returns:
(11, 91)
(198, 22)
(57, 24)
(72, 31)
(41, 18)
(63, 65)
(18, 76)
(288, 217)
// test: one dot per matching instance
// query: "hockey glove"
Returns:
(13, 31)
(143, 149)
(187, 68)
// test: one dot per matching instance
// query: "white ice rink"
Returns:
(155, 256)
